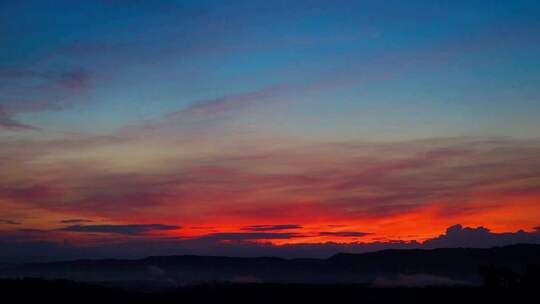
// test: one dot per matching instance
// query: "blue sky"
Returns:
(455, 66)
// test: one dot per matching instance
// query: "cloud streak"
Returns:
(250, 236)
(8, 122)
(344, 233)
(271, 227)
(133, 229)
(355, 182)
(8, 222)
(75, 221)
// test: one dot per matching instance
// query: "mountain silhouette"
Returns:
(451, 266)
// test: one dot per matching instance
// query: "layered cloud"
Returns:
(248, 244)
(376, 187)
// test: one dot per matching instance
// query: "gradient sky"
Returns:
(267, 121)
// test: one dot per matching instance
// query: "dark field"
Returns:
(61, 291)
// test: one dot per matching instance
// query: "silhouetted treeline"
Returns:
(61, 291)
(501, 276)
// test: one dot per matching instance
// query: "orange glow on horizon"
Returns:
(506, 214)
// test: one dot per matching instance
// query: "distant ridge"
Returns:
(450, 265)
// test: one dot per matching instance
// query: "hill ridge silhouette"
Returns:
(450, 265)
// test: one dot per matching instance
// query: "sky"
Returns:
(268, 125)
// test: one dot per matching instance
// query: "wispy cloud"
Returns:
(29, 91)
(8, 122)
(230, 103)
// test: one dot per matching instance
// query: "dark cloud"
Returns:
(271, 227)
(344, 233)
(75, 221)
(32, 230)
(458, 236)
(9, 222)
(243, 236)
(133, 229)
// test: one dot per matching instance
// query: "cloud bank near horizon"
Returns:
(243, 244)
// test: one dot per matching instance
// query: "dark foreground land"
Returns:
(509, 265)
(61, 291)
(508, 274)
